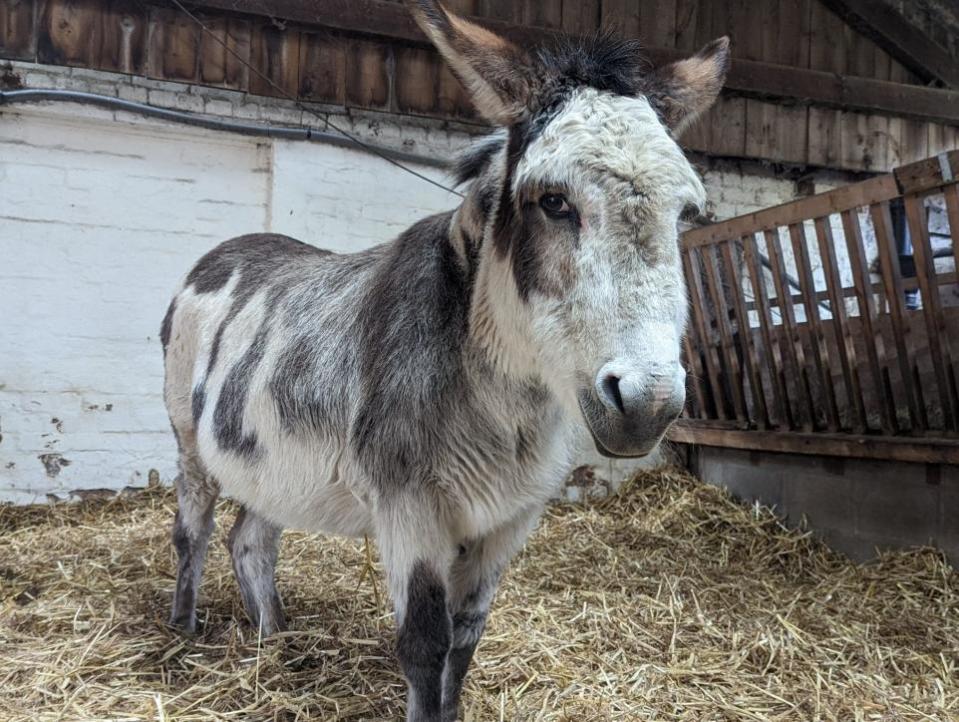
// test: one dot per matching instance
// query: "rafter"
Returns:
(905, 42)
(778, 83)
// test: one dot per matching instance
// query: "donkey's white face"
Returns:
(600, 193)
(589, 190)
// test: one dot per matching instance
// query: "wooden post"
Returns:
(760, 414)
(695, 373)
(844, 343)
(873, 340)
(797, 236)
(734, 377)
(694, 283)
(772, 353)
(797, 355)
(932, 309)
(892, 282)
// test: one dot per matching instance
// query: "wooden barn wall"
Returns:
(131, 36)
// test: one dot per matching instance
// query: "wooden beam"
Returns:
(835, 201)
(919, 450)
(845, 92)
(921, 176)
(749, 78)
(905, 42)
(373, 17)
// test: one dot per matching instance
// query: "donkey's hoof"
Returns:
(185, 625)
(268, 627)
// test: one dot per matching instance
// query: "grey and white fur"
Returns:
(428, 391)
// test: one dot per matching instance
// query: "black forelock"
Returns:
(599, 60)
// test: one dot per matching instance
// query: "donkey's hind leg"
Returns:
(196, 499)
(254, 544)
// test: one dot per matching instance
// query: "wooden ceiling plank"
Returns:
(754, 79)
(903, 41)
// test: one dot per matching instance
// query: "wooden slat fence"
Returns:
(814, 329)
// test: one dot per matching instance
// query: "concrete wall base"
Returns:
(857, 506)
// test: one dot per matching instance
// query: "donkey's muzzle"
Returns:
(628, 411)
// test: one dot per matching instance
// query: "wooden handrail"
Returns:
(823, 375)
(890, 448)
(920, 177)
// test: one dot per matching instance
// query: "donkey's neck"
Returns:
(499, 320)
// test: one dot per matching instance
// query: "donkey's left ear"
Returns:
(684, 90)
(495, 72)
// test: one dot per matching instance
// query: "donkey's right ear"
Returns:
(494, 71)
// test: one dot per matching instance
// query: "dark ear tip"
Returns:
(718, 52)
(716, 47)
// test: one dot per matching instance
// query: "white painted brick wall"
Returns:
(101, 214)
(98, 222)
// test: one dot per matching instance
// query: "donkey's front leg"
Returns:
(417, 552)
(473, 581)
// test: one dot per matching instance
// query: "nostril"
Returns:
(611, 388)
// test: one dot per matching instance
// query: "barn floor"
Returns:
(669, 602)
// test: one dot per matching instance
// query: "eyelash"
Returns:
(548, 199)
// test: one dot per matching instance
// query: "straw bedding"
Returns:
(669, 601)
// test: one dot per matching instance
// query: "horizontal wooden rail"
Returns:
(747, 77)
(822, 297)
(922, 176)
(894, 448)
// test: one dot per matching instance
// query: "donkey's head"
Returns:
(578, 201)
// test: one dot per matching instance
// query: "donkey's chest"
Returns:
(485, 485)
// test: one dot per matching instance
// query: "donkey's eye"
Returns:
(555, 205)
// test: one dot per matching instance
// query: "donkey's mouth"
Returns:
(603, 451)
(618, 437)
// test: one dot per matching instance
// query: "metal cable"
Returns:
(33, 95)
(304, 108)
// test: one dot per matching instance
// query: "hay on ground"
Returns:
(669, 601)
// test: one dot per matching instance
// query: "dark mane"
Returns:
(474, 160)
(599, 60)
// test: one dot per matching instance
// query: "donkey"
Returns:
(429, 391)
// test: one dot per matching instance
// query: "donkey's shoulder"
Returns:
(411, 330)
(420, 283)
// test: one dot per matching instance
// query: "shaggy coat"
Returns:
(428, 391)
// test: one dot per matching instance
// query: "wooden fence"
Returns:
(811, 332)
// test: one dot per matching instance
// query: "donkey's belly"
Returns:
(297, 484)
